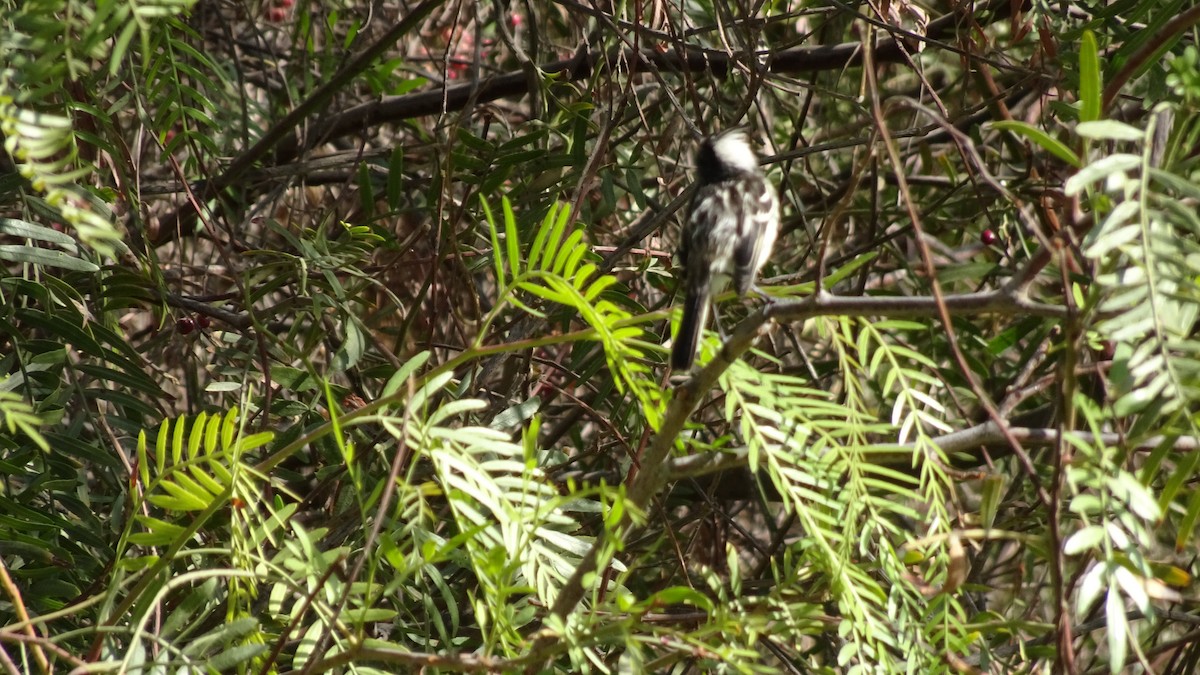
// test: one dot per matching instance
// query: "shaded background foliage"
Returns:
(331, 338)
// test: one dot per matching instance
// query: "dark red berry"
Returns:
(277, 14)
(203, 322)
(1108, 349)
(989, 238)
(185, 325)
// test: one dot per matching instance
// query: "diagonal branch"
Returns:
(654, 472)
(310, 106)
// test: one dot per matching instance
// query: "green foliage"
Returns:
(19, 416)
(193, 473)
(500, 501)
(1184, 77)
(376, 384)
(560, 268)
(39, 86)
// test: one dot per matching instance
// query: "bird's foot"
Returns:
(767, 298)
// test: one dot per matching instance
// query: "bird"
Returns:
(732, 224)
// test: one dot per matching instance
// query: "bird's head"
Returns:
(725, 155)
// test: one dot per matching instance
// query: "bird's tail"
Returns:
(695, 315)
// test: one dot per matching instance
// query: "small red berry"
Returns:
(516, 20)
(1108, 349)
(185, 325)
(989, 238)
(277, 14)
(203, 321)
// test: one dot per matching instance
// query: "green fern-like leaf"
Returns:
(39, 66)
(1146, 289)
(500, 501)
(558, 269)
(191, 468)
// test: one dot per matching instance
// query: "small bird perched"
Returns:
(732, 226)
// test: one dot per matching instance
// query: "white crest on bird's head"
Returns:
(732, 148)
(725, 156)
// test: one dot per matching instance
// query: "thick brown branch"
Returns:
(582, 65)
(287, 144)
(184, 217)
